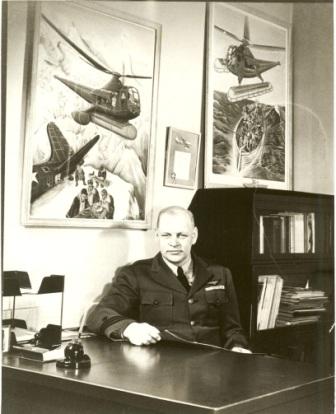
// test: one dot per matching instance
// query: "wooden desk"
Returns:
(165, 378)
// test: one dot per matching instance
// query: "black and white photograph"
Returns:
(167, 209)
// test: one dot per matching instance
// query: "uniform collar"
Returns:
(187, 266)
(164, 275)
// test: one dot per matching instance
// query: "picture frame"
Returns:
(91, 80)
(182, 157)
(248, 122)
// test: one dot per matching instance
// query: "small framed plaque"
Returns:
(182, 154)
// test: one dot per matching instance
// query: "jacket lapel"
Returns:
(163, 275)
(202, 274)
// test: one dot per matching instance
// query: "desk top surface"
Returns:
(175, 374)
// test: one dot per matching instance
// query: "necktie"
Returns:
(182, 278)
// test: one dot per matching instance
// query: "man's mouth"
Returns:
(174, 251)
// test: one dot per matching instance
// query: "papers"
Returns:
(23, 335)
(181, 167)
(301, 305)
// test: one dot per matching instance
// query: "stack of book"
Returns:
(270, 287)
(301, 305)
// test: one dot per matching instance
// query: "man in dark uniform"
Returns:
(175, 291)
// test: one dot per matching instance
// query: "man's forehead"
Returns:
(179, 219)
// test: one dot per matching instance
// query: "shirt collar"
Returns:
(187, 266)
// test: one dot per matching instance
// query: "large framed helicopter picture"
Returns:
(91, 88)
(248, 134)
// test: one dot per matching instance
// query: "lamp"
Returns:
(12, 282)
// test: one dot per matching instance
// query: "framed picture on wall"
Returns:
(248, 140)
(91, 93)
(182, 154)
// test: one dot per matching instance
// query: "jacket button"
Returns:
(191, 300)
(192, 323)
(156, 302)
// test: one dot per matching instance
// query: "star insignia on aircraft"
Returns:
(34, 178)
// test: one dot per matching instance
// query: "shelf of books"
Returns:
(290, 232)
(281, 304)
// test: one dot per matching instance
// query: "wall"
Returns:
(313, 97)
(89, 257)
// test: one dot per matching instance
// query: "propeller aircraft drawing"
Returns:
(62, 162)
(182, 141)
(113, 105)
(241, 62)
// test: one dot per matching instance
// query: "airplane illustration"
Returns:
(182, 141)
(62, 162)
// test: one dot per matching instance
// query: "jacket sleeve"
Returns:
(73, 208)
(118, 307)
(231, 330)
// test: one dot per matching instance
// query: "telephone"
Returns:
(49, 337)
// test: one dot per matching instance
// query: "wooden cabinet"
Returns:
(258, 232)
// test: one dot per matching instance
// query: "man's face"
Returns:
(83, 197)
(176, 235)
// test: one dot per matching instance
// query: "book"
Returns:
(276, 302)
(270, 287)
(39, 354)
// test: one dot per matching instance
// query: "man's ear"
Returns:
(195, 235)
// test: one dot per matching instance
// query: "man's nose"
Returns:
(174, 241)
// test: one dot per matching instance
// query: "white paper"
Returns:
(182, 165)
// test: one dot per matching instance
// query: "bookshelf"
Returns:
(259, 232)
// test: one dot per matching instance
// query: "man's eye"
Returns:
(183, 236)
(165, 235)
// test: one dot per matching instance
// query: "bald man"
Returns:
(175, 291)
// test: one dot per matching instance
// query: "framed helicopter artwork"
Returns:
(248, 132)
(91, 89)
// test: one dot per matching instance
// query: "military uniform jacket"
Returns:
(148, 291)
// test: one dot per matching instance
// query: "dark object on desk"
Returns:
(44, 347)
(49, 337)
(74, 356)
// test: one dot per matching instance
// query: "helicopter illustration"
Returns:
(240, 61)
(113, 105)
(62, 162)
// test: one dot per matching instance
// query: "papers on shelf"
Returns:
(301, 305)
